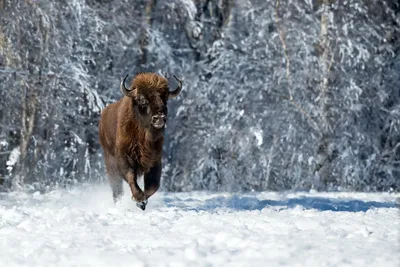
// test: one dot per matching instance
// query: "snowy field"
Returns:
(82, 227)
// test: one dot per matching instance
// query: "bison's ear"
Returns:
(128, 92)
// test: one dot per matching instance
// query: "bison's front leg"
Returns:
(130, 177)
(152, 180)
(137, 194)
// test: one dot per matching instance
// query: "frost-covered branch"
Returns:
(284, 47)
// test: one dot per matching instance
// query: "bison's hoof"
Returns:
(142, 205)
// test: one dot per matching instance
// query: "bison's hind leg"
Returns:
(114, 178)
(116, 186)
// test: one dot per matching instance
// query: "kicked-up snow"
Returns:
(82, 227)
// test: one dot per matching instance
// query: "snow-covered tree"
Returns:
(277, 94)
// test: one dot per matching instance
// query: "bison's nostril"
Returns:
(158, 117)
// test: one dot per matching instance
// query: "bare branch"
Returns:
(284, 46)
(312, 122)
(300, 109)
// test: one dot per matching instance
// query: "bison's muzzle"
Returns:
(158, 121)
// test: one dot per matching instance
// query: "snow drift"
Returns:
(82, 227)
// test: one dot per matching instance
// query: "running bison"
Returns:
(131, 132)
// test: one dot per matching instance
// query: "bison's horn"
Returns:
(124, 90)
(178, 89)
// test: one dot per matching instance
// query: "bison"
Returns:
(131, 133)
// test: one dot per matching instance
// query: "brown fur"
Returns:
(132, 147)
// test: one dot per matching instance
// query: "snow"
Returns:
(82, 227)
(13, 158)
(3, 144)
(258, 133)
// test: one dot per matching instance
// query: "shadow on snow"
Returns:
(252, 203)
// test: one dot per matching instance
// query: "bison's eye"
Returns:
(143, 102)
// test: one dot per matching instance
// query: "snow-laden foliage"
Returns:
(277, 95)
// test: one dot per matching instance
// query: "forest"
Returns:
(277, 94)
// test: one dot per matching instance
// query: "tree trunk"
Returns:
(324, 66)
(144, 35)
(28, 116)
(323, 170)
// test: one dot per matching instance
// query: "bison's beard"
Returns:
(156, 133)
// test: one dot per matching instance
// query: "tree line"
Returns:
(277, 94)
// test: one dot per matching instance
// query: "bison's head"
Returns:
(150, 93)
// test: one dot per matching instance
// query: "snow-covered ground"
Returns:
(82, 227)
